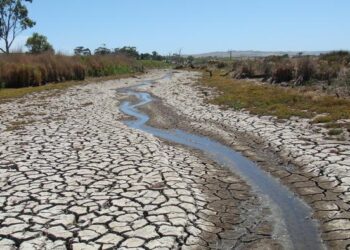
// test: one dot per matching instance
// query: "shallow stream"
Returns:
(291, 215)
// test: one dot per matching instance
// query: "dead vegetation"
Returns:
(328, 73)
(87, 104)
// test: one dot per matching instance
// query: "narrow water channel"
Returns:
(302, 231)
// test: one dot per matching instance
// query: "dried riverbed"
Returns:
(73, 176)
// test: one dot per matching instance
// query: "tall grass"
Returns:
(23, 70)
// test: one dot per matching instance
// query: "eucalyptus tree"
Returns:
(13, 20)
(38, 44)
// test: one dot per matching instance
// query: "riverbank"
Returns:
(313, 166)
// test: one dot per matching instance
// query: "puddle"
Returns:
(291, 214)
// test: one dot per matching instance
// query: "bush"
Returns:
(335, 131)
(298, 70)
(344, 78)
(221, 65)
(342, 57)
(282, 73)
(305, 69)
(244, 70)
(326, 71)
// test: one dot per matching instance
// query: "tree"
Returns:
(78, 50)
(13, 20)
(177, 58)
(156, 56)
(86, 52)
(190, 59)
(145, 56)
(128, 51)
(38, 44)
(81, 51)
(102, 51)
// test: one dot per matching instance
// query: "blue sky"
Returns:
(195, 26)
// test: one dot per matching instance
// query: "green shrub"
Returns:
(323, 119)
(335, 131)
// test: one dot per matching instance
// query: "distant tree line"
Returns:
(128, 51)
(14, 18)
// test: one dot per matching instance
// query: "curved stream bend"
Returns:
(302, 231)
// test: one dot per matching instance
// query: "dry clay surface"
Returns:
(73, 176)
(321, 167)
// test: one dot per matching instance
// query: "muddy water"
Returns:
(292, 216)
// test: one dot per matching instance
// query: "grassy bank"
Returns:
(7, 94)
(282, 102)
(21, 74)
(24, 70)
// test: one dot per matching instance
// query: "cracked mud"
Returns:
(295, 151)
(73, 176)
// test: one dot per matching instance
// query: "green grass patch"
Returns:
(7, 94)
(333, 125)
(323, 119)
(335, 131)
(282, 102)
(152, 64)
(10, 93)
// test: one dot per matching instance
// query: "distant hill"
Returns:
(253, 53)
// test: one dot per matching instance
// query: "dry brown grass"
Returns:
(23, 70)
